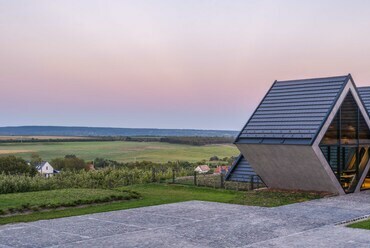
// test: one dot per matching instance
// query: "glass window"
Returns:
(346, 143)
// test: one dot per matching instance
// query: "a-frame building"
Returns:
(241, 171)
(310, 134)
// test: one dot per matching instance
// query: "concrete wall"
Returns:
(290, 167)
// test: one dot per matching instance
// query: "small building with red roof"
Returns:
(222, 168)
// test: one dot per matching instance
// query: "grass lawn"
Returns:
(156, 194)
(362, 224)
(119, 150)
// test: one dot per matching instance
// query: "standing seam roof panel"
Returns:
(241, 171)
(294, 109)
(364, 93)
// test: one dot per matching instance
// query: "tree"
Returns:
(70, 156)
(185, 164)
(74, 163)
(214, 158)
(100, 163)
(35, 159)
(69, 162)
(12, 165)
(58, 163)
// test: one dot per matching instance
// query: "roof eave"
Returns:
(278, 141)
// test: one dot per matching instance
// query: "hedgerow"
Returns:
(103, 178)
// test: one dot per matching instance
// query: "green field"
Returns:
(156, 194)
(122, 151)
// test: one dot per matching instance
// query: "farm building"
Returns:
(45, 169)
(241, 171)
(202, 169)
(310, 134)
(221, 169)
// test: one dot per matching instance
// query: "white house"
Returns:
(45, 169)
(202, 169)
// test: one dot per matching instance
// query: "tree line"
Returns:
(186, 140)
(11, 165)
(198, 141)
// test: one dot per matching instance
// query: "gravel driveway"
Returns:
(316, 223)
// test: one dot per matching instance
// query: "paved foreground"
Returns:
(203, 224)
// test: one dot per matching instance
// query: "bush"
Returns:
(12, 165)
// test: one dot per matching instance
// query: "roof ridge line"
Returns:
(308, 79)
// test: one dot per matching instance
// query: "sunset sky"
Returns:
(168, 64)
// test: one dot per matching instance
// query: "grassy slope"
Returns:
(156, 194)
(121, 151)
(362, 224)
(166, 193)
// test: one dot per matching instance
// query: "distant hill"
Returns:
(106, 131)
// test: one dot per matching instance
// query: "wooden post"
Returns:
(222, 184)
(252, 182)
(173, 175)
(195, 178)
(153, 174)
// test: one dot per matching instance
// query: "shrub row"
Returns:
(124, 195)
(104, 178)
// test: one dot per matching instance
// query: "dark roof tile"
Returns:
(241, 171)
(294, 110)
(364, 93)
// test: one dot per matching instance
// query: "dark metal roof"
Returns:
(364, 93)
(40, 165)
(241, 171)
(292, 112)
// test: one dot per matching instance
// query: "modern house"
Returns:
(45, 169)
(241, 171)
(310, 134)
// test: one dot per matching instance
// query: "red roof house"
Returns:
(222, 168)
(202, 169)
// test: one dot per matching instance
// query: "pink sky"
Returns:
(168, 64)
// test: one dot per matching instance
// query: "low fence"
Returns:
(206, 180)
(218, 181)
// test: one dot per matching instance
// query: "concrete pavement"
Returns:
(316, 223)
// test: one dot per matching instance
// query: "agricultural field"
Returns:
(122, 151)
(27, 138)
